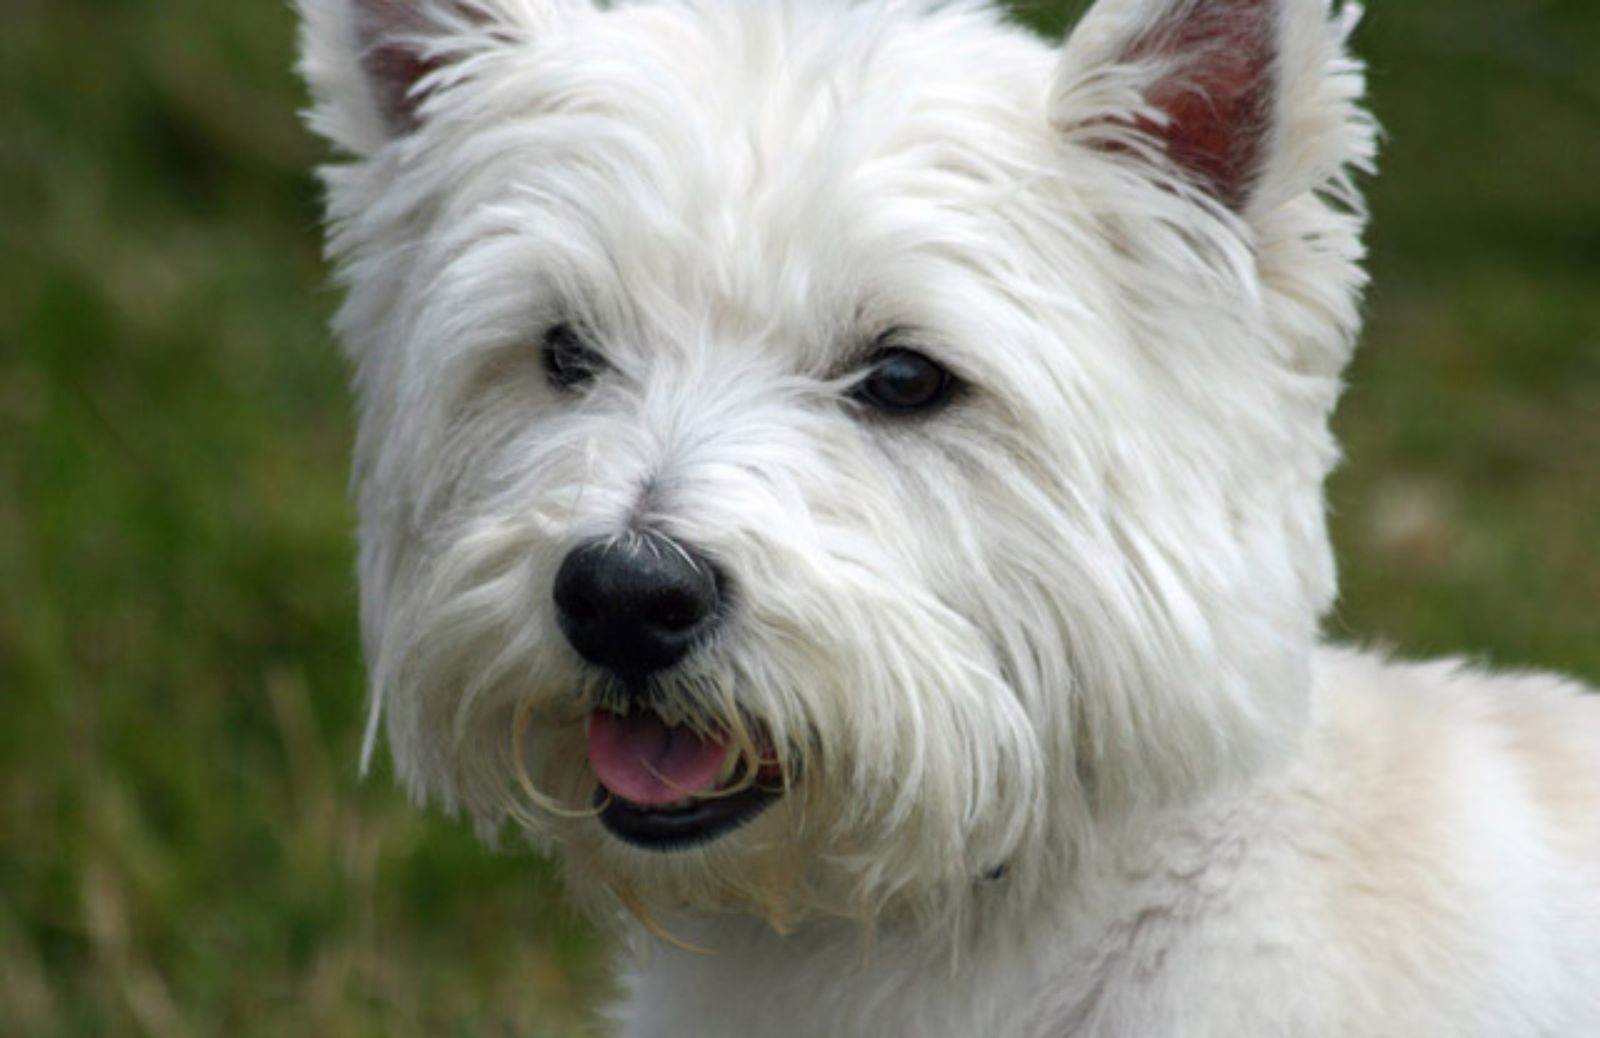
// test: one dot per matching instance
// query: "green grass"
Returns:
(184, 845)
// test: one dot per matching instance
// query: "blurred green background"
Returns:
(184, 845)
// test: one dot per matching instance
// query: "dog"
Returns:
(848, 476)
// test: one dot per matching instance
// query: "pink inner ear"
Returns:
(1218, 95)
(393, 68)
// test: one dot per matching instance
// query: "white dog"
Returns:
(849, 474)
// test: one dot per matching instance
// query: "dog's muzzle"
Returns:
(634, 607)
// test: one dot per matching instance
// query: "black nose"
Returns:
(636, 605)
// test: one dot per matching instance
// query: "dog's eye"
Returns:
(568, 360)
(903, 381)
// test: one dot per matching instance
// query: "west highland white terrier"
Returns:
(849, 474)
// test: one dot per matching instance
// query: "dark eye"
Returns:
(902, 381)
(568, 360)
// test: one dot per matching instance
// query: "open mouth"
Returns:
(666, 788)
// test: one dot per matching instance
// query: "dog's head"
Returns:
(814, 452)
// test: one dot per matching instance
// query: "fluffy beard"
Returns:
(909, 765)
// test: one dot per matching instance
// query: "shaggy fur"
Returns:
(1062, 752)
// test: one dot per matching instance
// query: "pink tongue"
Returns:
(642, 760)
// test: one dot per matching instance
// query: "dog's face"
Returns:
(813, 453)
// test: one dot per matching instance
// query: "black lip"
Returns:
(678, 828)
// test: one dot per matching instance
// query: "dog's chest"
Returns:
(1055, 972)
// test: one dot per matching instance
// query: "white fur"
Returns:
(1067, 626)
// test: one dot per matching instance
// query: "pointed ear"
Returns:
(1208, 90)
(372, 63)
(396, 55)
